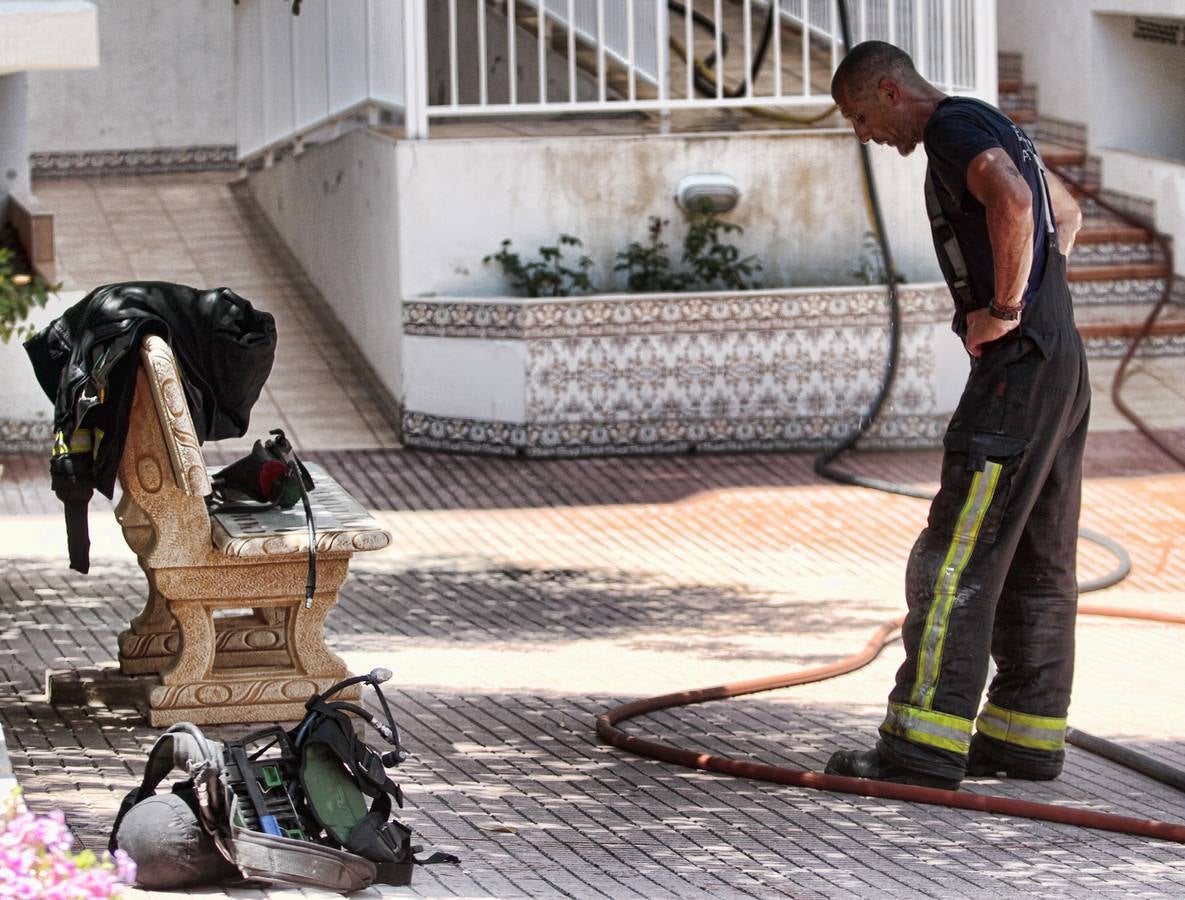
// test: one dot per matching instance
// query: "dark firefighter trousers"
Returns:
(993, 574)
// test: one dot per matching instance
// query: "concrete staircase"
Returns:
(1118, 268)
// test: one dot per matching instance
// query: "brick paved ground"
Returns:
(520, 599)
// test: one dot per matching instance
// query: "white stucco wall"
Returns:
(802, 203)
(337, 208)
(1140, 90)
(165, 79)
(1150, 176)
(14, 137)
(1057, 38)
(374, 220)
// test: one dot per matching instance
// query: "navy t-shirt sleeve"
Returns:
(952, 141)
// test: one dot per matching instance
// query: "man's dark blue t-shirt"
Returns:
(957, 132)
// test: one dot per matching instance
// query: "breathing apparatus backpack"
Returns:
(275, 806)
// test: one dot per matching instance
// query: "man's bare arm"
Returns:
(1066, 213)
(994, 181)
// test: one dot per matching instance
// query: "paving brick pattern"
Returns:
(520, 599)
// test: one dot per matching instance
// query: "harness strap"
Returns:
(944, 233)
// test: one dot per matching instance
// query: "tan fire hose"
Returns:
(608, 731)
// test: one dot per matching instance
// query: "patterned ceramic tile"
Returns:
(759, 370)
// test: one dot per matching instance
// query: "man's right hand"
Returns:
(983, 328)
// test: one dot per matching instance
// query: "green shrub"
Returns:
(548, 277)
(714, 263)
(19, 295)
(648, 266)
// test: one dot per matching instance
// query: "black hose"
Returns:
(1126, 757)
(702, 84)
(823, 460)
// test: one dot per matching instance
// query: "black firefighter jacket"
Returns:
(86, 363)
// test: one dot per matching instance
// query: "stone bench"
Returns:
(224, 626)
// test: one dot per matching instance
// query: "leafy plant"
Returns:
(648, 266)
(37, 860)
(714, 263)
(548, 276)
(19, 294)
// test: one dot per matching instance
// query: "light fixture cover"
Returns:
(707, 192)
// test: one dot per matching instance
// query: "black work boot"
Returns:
(870, 764)
(982, 763)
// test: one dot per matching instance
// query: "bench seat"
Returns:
(225, 630)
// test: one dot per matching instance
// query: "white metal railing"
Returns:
(299, 74)
(432, 59)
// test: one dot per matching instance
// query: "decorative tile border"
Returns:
(660, 436)
(20, 436)
(140, 161)
(621, 314)
(761, 370)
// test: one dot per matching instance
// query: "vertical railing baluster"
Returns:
(601, 91)
(747, 24)
(662, 57)
(453, 89)
(986, 72)
(777, 48)
(948, 51)
(919, 38)
(629, 43)
(833, 28)
(572, 51)
(806, 49)
(719, 17)
(292, 74)
(512, 51)
(328, 56)
(689, 40)
(541, 47)
(415, 69)
(483, 87)
(892, 21)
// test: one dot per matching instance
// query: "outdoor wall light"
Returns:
(707, 192)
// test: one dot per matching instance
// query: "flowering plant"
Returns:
(36, 862)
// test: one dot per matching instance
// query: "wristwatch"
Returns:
(1007, 313)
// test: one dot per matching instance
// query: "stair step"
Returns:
(1117, 271)
(1058, 155)
(1162, 327)
(1022, 116)
(1112, 233)
(1009, 85)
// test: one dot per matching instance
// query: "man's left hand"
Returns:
(983, 327)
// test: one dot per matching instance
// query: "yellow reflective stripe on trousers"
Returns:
(84, 440)
(962, 543)
(925, 726)
(1022, 729)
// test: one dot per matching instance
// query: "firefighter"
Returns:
(993, 573)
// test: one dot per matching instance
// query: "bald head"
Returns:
(866, 64)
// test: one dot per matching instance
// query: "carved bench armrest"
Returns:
(168, 396)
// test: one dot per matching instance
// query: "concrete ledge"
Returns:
(34, 224)
(58, 34)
